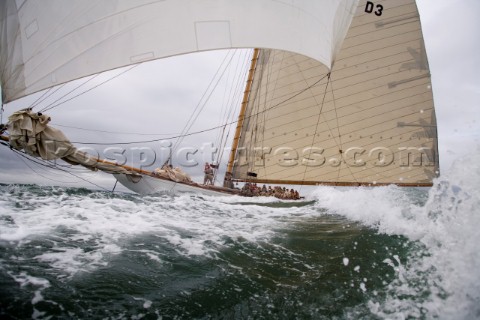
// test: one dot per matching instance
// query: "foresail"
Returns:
(370, 121)
(49, 42)
(30, 132)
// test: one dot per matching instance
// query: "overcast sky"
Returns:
(158, 96)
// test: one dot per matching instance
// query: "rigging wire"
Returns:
(206, 130)
(190, 122)
(227, 106)
(201, 105)
(50, 92)
(116, 132)
(318, 118)
(54, 167)
(66, 94)
(267, 92)
(269, 62)
(187, 127)
(52, 106)
(234, 91)
(255, 109)
(339, 135)
(209, 129)
(37, 173)
(34, 103)
(225, 110)
(341, 144)
(232, 100)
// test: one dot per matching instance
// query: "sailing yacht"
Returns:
(338, 92)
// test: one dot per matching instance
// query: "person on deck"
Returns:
(208, 178)
(228, 183)
(270, 191)
(264, 191)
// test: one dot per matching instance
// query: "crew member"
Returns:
(208, 178)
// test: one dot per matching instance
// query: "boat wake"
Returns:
(404, 252)
(443, 226)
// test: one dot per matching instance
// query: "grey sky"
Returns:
(451, 33)
(158, 96)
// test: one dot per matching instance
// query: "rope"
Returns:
(116, 132)
(47, 95)
(209, 129)
(190, 122)
(318, 120)
(339, 137)
(34, 103)
(37, 173)
(116, 181)
(66, 94)
(24, 155)
(229, 114)
(52, 105)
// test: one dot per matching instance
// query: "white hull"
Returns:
(148, 185)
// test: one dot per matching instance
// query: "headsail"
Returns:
(29, 131)
(49, 42)
(370, 121)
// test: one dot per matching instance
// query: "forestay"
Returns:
(371, 121)
(49, 42)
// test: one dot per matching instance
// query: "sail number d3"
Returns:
(371, 7)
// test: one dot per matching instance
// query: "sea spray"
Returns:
(440, 278)
(351, 253)
(453, 208)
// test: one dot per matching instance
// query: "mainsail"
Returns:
(49, 42)
(340, 93)
(370, 120)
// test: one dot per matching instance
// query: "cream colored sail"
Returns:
(371, 121)
(49, 42)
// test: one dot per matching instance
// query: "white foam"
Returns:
(448, 228)
(453, 238)
(191, 224)
(387, 208)
(39, 283)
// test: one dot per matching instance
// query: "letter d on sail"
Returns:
(369, 7)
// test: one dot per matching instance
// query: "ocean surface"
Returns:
(386, 252)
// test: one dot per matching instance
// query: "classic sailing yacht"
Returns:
(339, 92)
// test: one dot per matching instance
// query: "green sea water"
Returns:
(69, 253)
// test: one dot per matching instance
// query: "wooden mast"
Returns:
(241, 115)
